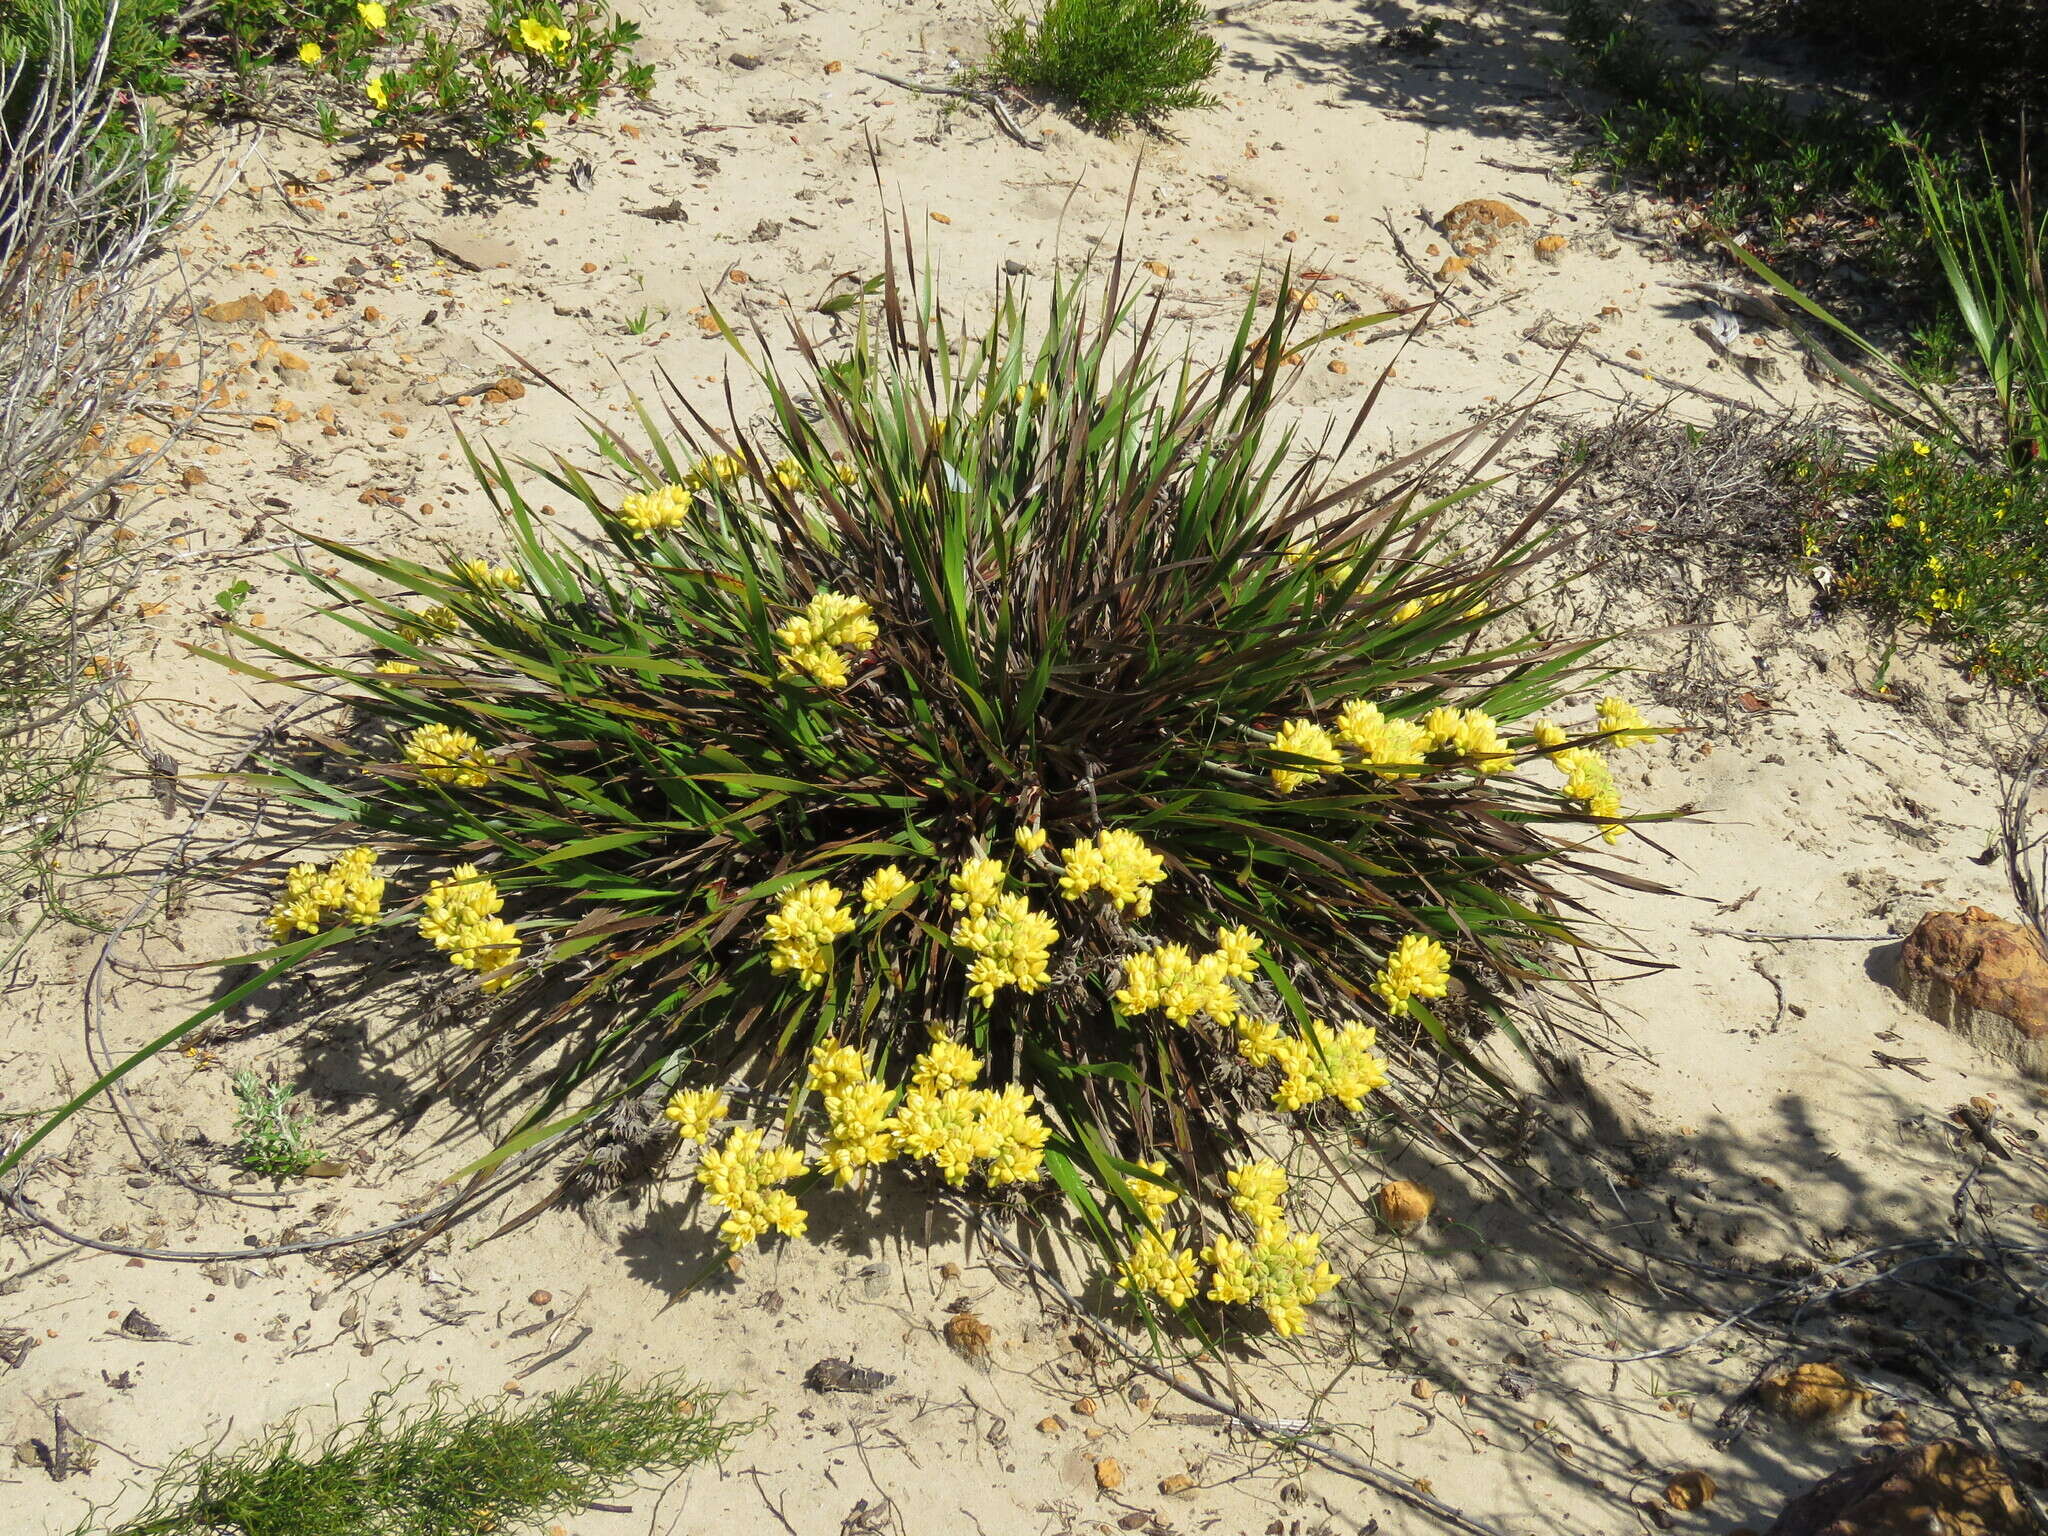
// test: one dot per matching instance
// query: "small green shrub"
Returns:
(271, 1129)
(1954, 547)
(439, 1469)
(1110, 62)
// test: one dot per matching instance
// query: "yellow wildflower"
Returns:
(882, 887)
(348, 888)
(1256, 1189)
(459, 917)
(743, 1179)
(813, 642)
(1153, 1197)
(372, 14)
(396, 668)
(1418, 967)
(1623, 723)
(1011, 945)
(1030, 839)
(944, 1064)
(695, 1112)
(1549, 735)
(378, 89)
(492, 578)
(1319, 1065)
(976, 886)
(541, 38)
(1386, 745)
(648, 511)
(1119, 864)
(448, 756)
(1160, 1267)
(800, 931)
(1304, 739)
(310, 54)
(1469, 733)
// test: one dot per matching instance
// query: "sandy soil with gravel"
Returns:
(1476, 1359)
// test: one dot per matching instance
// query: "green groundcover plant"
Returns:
(1015, 765)
(438, 1468)
(1111, 62)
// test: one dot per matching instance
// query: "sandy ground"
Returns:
(1470, 1358)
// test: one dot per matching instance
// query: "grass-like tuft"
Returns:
(1110, 62)
(1016, 760)
(438, 1468)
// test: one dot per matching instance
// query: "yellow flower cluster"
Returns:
(695, 1112)
(1623, 722)
(1588, 780)
(1316, 1064)
(1159, 1266)
(348, 888)
(1549, 735)
(1469, 733)
(448, 756)
(541, 38)
(459, 917)
(1305, 739)
(430, 623)
(956, 1127)
(1030, 839)
(650, 511)
(1385, 745)
(1153, 1198)
(882, 887)
(815, 643)
(1116, 863)
(745, 1179)
(1418, 967)
(801, 929)
(1183, 986)
(1011, 945)
(1281, 1270)
(976, 886)
(857, 1133)
(492, 578)
(396, 668)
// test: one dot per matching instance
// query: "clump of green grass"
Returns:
(439, 1468)
(271, 1128)
(1109, 62)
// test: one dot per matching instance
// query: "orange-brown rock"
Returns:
(1986, 979)
(1943, 1488)
(1811, 1393)
(1479, 226)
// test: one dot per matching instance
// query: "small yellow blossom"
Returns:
(744, 1179)
(1386, 745)
(377, 87)
(310, 54)
(541, 38)
(492, 578)
(397, 668)
(1623, 723)
(695, 1112)
(1920, 448)
(1011, 945)
(448, 756)
(1468, 733)
(372, 14)
(1418, 967)
(882, 887)
(1030, 839)
(1117, 863)
(1549, 735)
(1159, 1266)
(649, 511)
(814, 642)
(976, 886)
(1304, 739)
(800, 931)
(459, 917)
(349, 888)
(1153, 1197)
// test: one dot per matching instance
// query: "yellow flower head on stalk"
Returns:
(882, 887)
(958, 1129)
(1030, 839)
(348, 888)
(310, 54)
(744, 1179)
(1319, 1065)
(1418, 967)
(1387, 746)
(800, 931)
(1549, 735)
(650, 511)
(814, 641)
(945, 1064)
(372, 14)
(695, 1112)
(1585, 773)
(1305, 739)
(1011, 945)
(1623, 722)
(448, 756)
(459, 917)
(1159, 1266)
(789, 474)
(1169, 978)
(378, 87)
(395, 668)
(1117, 863)
(1257, 1189)
(492, 578)
(1470, 733)
(1237, 946)
(976, 885)
(541, 38)
(858, 1128)
(430, 623)
(1152, 1197)
(1286, 1273)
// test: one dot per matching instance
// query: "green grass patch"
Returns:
(1109, 62)
(439, 1468)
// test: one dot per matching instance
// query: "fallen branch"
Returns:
(987, 99)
